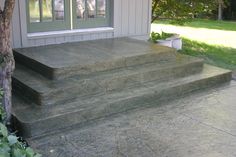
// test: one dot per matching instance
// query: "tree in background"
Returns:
(181, 10)
(229, 12)
(222, 4)
(7, 63)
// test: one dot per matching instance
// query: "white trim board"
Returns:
(68, 32)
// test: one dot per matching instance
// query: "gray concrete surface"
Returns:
(234, 74)
(65, 60)
(200, 125)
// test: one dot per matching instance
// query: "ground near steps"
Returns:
(234, 74)
(200, 125)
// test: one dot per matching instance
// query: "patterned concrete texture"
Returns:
(199, 125)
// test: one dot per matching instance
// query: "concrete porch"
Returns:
(71, 85)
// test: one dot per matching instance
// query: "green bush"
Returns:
(159, 36)
(10, 146)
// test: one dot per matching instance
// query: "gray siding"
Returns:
(130, 18)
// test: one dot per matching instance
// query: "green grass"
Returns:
(215, 55)
(216, 43)
(204, 23)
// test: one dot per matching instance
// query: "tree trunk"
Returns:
(154, 7)
(7, 63)
(220, 11)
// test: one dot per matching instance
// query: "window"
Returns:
(48, 15)
(51, 15)
(91, 13)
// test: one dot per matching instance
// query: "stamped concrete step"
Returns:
(34, 120)
(43, 91)
(66, 60)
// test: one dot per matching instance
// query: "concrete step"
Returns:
(66, 60)
(34, 120)
(43, 91)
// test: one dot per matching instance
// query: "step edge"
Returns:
(226, 73)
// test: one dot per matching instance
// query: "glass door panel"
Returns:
(52, 15)
(91, 8)
(59, 11)
(47, 11)
(80, 9)
(34, 11)
(48, 15)
(101, 8)
(91, 13)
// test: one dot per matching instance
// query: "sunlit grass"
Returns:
(205, 23)
(209, 36)
(216, 55)
(215, 41)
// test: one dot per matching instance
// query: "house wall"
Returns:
(131, 18)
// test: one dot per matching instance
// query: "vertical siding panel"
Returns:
(102, 35)
(50, 41)
(86, 36)
(60, 40)
(78, 38)
(145, 16)
(16, 30)
(94, 36)
(31, 43)
(23, 24)
(68, 38)
(132, 21)
(149, 16)
(117, 17)
(125, 17)
(40, 42)
(138, 17)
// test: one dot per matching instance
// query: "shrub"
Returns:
(10, 146)
(159, 36)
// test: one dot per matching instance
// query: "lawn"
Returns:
(204, 23)
(224, 57)
(202, 39)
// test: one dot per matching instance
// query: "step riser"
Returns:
(62, 73)
(93, 86)
(154, 97)
(33, 64)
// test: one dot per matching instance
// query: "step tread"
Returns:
(65, 60)
(80, 53)
(45, 86)
(32, 113)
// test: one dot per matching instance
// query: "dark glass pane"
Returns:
(59, 11)
(47, 10)
(101, 8)
(34, 11)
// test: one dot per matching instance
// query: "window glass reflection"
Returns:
(34, 11)
(47, 10)
(90, 8)
(59, 11)
(101, 8)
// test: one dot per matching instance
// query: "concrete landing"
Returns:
(64, 60)
(199, 125)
